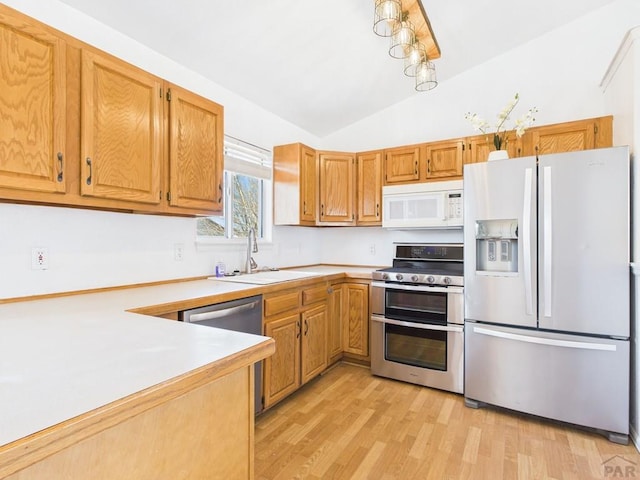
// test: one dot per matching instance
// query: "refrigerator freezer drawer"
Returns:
(575, 379)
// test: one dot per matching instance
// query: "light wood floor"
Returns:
(349, 424)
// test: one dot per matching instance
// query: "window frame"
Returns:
(265, 221)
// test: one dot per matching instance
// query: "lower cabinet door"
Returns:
(314, 342)
(356, 319)
(282, 369)
(334, 324)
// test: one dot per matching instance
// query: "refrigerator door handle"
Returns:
(545, 341)
(547, 240)
(526, 240)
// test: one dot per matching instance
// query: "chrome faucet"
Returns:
(252, 247)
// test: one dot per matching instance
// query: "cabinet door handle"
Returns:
(220, 193)
(90, 170)
(377, 210)
(306, 327)
(304, 207)
(60, 166)
(416, 168)
(322, 210)
(298, 328)
(429, 166)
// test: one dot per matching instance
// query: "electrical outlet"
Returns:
(39, 258)
(178, 252)
(372, 249)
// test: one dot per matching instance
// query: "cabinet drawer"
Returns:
(281, 303)
(314, 294)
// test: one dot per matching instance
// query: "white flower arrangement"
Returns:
(500, 134)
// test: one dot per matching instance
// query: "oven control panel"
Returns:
(418, 278)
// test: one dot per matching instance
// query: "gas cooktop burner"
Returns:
(430, 264)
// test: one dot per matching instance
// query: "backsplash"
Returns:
(94, 249)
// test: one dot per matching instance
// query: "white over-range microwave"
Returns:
(422, 205)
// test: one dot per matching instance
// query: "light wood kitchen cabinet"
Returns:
(334, 323)
(281, 303)
(121, 130)
(562, 137)
(33, 152)
(295, 185)
(337, 188)
(282, 369)
(309, 186)
(444, 159)
(319, 188)
(477, 148)
(313, 325)
(101, 132)
(355, 319)
(369, 191)
(196, 135)
(570, 136)
(164, 431)
(122, 138)
(297, 320)
(313, 352)
(402, 164)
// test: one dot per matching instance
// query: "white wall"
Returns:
(92, 249)
(621, 86)
(373, 246)
(559, 73)
(622, 97)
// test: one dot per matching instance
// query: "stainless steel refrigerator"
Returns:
(546, 278)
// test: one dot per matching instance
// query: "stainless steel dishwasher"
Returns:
(243, 315)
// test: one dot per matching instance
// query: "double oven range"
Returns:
(417, 313)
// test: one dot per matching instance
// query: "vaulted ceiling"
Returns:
(317, 63)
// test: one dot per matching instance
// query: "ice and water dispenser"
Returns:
(497, 247)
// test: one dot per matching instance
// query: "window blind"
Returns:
(247, 159)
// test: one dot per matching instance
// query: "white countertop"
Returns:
(65, 356)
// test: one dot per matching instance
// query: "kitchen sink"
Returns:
(268, 277)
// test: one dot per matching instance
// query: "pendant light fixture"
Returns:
(411, 37)
(404, 35)
(387, 14)
(426, 76)
(417, 55)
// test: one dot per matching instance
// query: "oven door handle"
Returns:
(422, 326)
(417, 288)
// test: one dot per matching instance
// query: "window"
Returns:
(247, 193)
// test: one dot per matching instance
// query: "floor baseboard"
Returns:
(634, 437)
